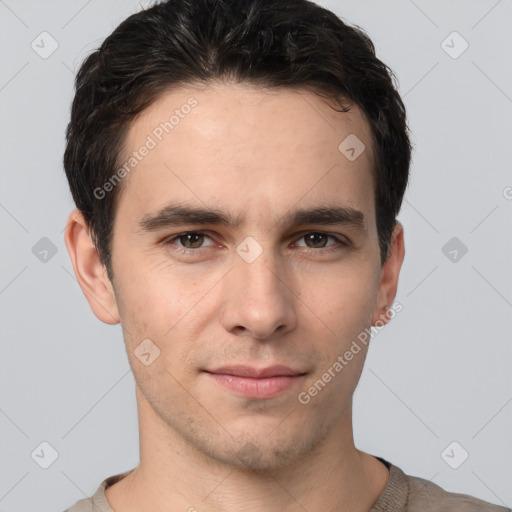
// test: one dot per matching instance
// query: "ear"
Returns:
(90, 273)
(389, 276)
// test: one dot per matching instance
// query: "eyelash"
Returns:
(188, 251)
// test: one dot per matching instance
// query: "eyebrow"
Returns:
(181, 214)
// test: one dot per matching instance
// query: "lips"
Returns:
(257, 373)
(256, 383)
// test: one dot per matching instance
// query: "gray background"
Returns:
(438, 373)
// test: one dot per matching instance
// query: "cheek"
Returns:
(156, 292)
(158, 309)
(342, 296)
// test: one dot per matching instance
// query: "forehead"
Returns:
(248, 149)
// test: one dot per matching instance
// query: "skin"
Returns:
(257, 154)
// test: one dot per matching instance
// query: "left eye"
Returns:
(314, 237)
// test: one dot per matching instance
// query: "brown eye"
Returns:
(191, 240)
(316, 238)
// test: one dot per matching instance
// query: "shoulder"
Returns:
(425, 496)
(98, 501)
(85, 505)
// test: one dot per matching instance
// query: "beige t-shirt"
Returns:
(403, 493)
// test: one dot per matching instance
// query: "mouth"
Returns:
(256, 383)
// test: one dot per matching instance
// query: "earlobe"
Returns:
(389, 277)
(89, 271)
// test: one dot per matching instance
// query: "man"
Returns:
(238, 167)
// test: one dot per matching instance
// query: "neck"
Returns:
(172, 474)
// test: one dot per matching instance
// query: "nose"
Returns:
(259, 298)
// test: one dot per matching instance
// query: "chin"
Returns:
(258, 458)
(261, 451)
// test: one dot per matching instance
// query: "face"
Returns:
(246, 262)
